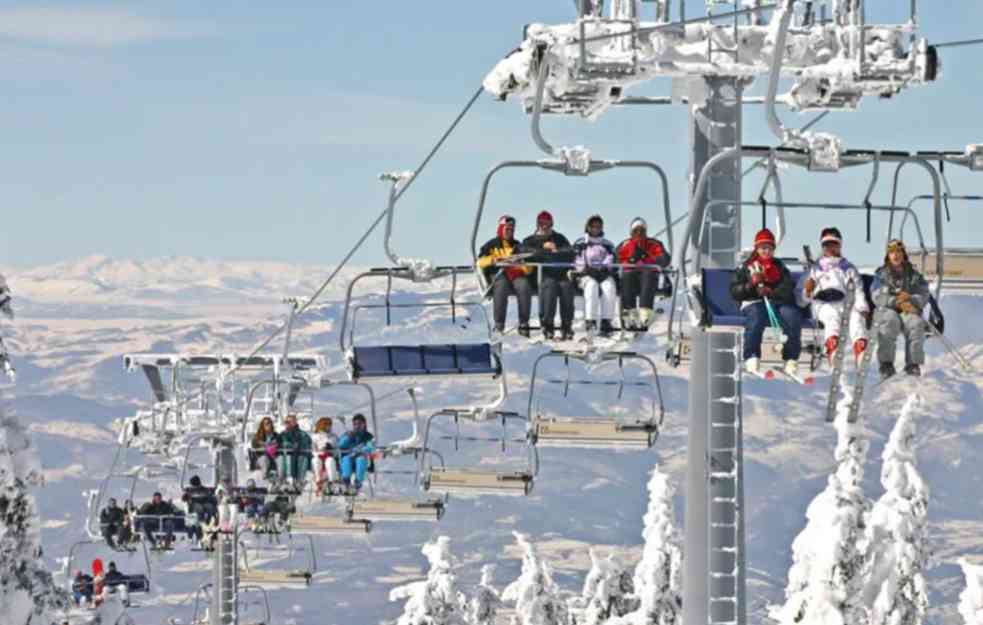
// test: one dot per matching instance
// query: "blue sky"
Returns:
(257, 130)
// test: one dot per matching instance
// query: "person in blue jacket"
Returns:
(356, 448)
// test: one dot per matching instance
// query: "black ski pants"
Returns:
(502, 289)
(639, 286)
(552, 290)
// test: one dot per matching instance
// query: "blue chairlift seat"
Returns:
(720, 309)
(134, 583)
(425, 360)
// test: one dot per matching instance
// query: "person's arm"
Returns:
(657, 254)
(485, 257)
(608, 254)
(881, 292)
(784, 291)
(580, 261)
(859, 295)
(919, 290)
(741, 288)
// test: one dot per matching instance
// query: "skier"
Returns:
(111, 521)
(506, 281)
(762, 280)
(638, 287)
(264, 448)
(900, 295)
(159, 516)
(552, 247)
(252, 500)
(82, 588)
(325, 444)
(294, 459)
(825, 288)
(114, 581)
(201, 500)
(593, 266)
(356, 448)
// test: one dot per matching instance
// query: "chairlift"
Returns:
(593, 432)
(135, 582)
(297, 574)
(476, 480)
(202, 597)
(328, 525)
(384, 506)
(708, 296)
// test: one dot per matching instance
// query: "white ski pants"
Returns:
(830, 314)
(600, 299)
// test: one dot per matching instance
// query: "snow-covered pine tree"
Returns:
(536, 595)
(826, 579)
(28, 595)
(895, 592)
(435, 600)
(971, 599)
(483, 606)
(607, 592)
(658, 576)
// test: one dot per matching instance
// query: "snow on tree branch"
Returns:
(829, 555)
(658, 576)
(483, 606)
(535, 594)
(435, 600)
(971, 599)
(895, 592)
(606, 593)
(28, 595)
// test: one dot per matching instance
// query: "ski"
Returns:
(861, 381)
(836, 376)
(773, 373)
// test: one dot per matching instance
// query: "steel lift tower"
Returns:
(834, 58)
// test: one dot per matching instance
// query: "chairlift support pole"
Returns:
(714, 567)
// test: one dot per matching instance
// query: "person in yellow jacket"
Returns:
(506, 281)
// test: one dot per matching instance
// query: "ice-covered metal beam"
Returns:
(594, 61)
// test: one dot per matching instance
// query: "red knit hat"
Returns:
(763, 237)
(544, 216)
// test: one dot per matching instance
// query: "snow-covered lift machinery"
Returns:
(473, 479)
(639, 431)
(590, 65)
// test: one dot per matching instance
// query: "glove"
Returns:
(908, 307)
(765, 291)
(573, 275)
(902, 296)
(757, 278)
(638, 255)
(809, 287)
(271, 451)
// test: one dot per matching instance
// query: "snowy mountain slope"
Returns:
(72, 385)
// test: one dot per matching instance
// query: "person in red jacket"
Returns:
(639, 286)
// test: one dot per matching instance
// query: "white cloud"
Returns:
(91, 27)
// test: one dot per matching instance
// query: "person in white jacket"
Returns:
(325, 449)
(825, 288)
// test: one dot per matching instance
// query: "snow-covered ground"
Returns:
(75, 320)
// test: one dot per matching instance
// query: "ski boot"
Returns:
(859, 347)
(645, 317)
(549, 333)
(792, 368)
(753, 365)
(590, 326)
(913, 370)
(628, 321)
(566, 332)
(832, 344)
(887, 370)
(606, 328)
(524, 330)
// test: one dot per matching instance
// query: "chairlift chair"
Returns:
(325, 525)
(475, 480)
(296, 576)
(386, 507)
(242, 592)
(593, 432)
(135, 582)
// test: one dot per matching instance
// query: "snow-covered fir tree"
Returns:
(536, 595)
(607, 592)
(435, 600)
(483, 606)
(28, 595)
(971, 599)
(895, 592)
(658, 576)
(826, 579)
